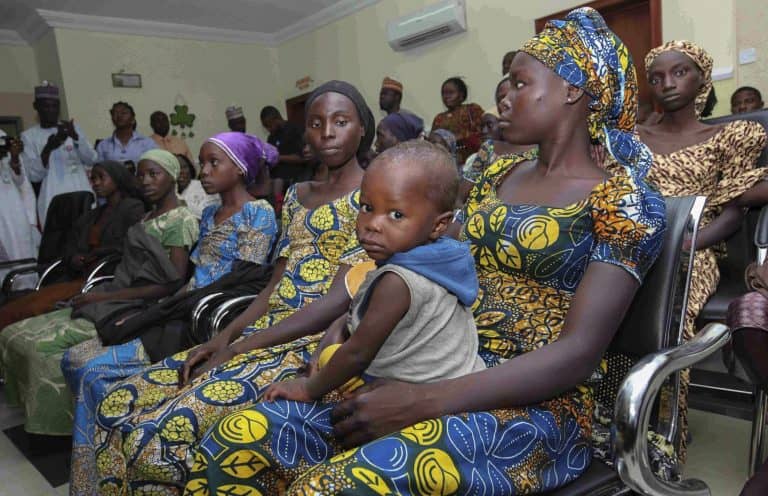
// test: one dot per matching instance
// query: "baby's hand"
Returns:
(295, 389)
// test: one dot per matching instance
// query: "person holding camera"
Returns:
(56, 152)
(19, 236)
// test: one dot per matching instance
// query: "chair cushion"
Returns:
(716, 308)
(597, 480)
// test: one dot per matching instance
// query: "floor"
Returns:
(718, 455)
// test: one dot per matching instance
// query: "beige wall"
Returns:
(19, 76)
(206, 76)
(355, 48)
(210, 76)
(19, 69)
(752, 23)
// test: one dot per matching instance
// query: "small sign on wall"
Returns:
(124, 80)
(304, 83)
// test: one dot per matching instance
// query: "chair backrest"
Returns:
(740, 246)
(63, 211)
(652, 322)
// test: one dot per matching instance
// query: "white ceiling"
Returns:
(269, 21)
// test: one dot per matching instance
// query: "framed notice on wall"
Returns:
(123, 80)
(11, 124)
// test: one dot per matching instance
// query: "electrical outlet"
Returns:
(747, 55)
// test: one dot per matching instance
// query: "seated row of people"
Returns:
(548, 232)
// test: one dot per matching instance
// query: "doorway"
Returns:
(636, 22)
(294, 109)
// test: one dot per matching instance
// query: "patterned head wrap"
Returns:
(47, 90)
(363, 111)
(164, 159)
(450, 140)
(699, 56)
(403, 125)
(247, 152)
(583, 51)
(234, 112)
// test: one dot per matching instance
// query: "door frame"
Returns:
(654, 11)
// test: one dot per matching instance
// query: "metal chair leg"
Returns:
(758, 430)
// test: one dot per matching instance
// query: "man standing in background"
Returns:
(235, 119)
(56, 153)
(288, 138)
(161, 127)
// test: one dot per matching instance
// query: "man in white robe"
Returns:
(55, 152)
(19, 237)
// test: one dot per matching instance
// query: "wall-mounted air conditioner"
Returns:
(432, 23)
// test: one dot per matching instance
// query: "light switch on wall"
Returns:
(747, 55)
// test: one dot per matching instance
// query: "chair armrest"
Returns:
(634, 403)
(95, 282)
(103, 264)
(761, 230)
(234, 305)
(10, 277)
(200, 308)
(21, 261)
(48, 271)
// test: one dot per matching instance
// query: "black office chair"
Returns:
(740, 247)
(647, 353)
(750, 346)
(63, 211)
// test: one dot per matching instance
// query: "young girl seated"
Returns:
(410, 320)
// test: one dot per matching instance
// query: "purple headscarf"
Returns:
(247, 151)
(403, 125)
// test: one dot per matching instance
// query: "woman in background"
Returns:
(461, 119)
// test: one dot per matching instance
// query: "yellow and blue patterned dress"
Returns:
(146, 425)
(530, 260)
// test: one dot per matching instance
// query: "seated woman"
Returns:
(694, 158)
(154, 265)
(240, 229)
(96, 233)
(191, 191)
(397, 127)
(318, 244)
(495, 145)
(550, 239)
(461, 119)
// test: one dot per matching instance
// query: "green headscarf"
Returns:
(164, 159)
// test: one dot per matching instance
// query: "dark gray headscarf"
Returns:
(363, 111)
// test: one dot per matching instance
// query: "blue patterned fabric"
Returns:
(248, 235)
(529, 261)
(582, 50)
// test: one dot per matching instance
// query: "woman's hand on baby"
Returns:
(377, 409)
(295, 389)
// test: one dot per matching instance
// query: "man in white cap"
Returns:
(236, 119)
(55, 152)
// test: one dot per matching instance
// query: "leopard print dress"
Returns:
(720, 168)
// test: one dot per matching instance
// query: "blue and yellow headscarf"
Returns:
(582, 50)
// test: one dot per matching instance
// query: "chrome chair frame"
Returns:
(225, 309)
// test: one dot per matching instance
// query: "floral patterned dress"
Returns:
(31, 350)
(91, 368)
(530, 260)
(146, 426)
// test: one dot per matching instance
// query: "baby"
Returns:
(410, 319)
